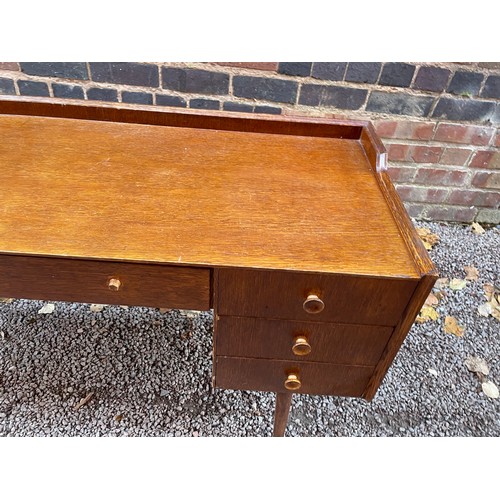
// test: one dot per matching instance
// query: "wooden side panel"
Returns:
(400, 332)
(347, 299)
(77, 280)
(273, 339)
(266, 375)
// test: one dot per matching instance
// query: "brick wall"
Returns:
(439, 121)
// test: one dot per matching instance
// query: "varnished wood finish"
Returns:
(76, 280)
(270, 375)
(274, 339)
(193, 196)
(283, 403)
(348, 299)
(400, 332)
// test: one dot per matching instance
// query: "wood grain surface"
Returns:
(270, 375)
(273, 339)
(347, 299)
(76, 280)
(192, 196)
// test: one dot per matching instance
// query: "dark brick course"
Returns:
(170, 100)
(397, 74)
(237, 106)
(204, 104)
(363, 72)
(7, 86)
(333, 71)
(431, 78)
(269, 89)
(339, 97)
(465, 83)
(137, 97)
(96, 94)
(270, 110)
(75, 70)
(399, 103)
(463, 109)
(125, 73)
(68, 91)
(492, 87)
(27, 87)
(195, 80)
(295, 68)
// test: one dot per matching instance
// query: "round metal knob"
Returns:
(301, 346)
(313, 304)
(292, 382)
(114, 284)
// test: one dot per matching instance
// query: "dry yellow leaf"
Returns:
(427, 313)
(451, 326)
(5, 300)
(441, 283)
(489, 291)
(428, 239)
(477, 228)
(472, 273)
(457, 284)
(432, 300)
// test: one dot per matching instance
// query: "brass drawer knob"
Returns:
(313, 304)
(292, 382)
(301, 346)
(114, 284)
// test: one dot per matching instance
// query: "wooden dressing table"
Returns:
(289, 228)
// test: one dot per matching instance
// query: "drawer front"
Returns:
(270, 375)
(300, 341)
(74, 280)
(346, 299)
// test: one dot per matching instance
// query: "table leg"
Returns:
(283, 402)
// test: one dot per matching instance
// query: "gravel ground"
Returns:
(149, 372)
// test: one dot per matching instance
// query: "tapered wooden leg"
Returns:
(283, 402)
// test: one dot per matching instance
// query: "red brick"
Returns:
(440, 177)
(426, 154)
(463, 134)
(398, 152)
(497, 140)
(385, 128)
(474, 198)
(449, 213)
(422, 194)
(486, 180)
(401, 174)
(455, 156)
(485, 159)
(264, 66)
(9, 66)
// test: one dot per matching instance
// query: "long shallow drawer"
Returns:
(299, 296)
(297, 340)
(270, 375)
(75, 280)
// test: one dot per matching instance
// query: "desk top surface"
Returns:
(147, 193)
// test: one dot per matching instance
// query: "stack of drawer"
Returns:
(303, 332)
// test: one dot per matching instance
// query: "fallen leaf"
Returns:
(472, 273)
(164, 310)
(432, 372)
(47, 309)
(431, 300)
(189, 313)
(428, 239)
(451, 326)
(489, 291)
(440, 295)
(490, 389)
(477, 228)
(441, 283)
(6, 301)
(485, 309)
(119, 418)
(427, 313)
(83, 401)
(96, 307)
(477, 365)
(458, 284)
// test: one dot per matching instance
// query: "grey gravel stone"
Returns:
(141, 364)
